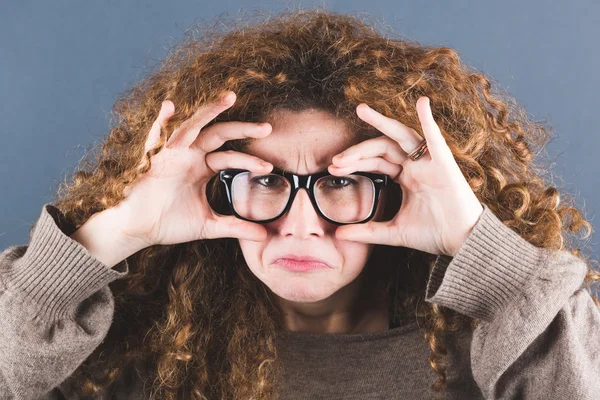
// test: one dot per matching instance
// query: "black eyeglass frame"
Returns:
(303, 182)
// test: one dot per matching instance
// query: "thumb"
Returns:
(222, 226)
(369, 232)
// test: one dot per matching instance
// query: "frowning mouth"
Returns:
(296, 263)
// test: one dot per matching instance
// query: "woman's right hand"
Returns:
(168, 205)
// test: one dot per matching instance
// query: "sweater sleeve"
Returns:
(55, 307)
(539, 335)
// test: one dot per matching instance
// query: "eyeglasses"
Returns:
(350, 199)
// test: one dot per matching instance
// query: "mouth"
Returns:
(292, 262)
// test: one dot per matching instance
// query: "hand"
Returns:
(439, 208)
(168, 205)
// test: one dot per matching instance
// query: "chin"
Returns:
(301, 290)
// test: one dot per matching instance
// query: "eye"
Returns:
(269, 181)
(337, 182)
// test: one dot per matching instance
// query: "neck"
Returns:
(349, 310)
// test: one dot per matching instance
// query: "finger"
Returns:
(220, 160)
(374, 164)
(436, 144)
(187, 132)
(222, 226)
(369, 232)
(214, 136)
(382, 146)
(167, 110)
(406, 137)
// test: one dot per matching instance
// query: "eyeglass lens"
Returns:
(343, 199)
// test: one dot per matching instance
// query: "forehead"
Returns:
(302, 142)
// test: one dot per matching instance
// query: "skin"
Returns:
(439, 208)
(324, 300)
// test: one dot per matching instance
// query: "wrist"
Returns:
(102, 236)
(474, 220)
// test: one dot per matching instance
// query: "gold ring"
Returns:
(419, 151)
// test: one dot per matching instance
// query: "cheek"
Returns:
(355, 256)
(255, 255)
(252, 252)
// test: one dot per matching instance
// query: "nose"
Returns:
(302, 220)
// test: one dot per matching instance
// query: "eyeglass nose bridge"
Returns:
(302, 182)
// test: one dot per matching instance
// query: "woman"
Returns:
(388, 235)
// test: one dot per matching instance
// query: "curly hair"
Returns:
(194, 312)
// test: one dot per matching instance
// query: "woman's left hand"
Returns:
(439, 209)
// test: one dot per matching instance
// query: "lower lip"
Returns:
(299, 266)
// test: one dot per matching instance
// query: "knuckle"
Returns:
(203, 230)
(222, 133)
(209, 157)
(202, 142)
(386, 143)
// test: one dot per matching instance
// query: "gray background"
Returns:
(65, 62)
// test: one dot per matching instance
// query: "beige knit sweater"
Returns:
(539, 337)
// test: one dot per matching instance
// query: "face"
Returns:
(304, 143)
